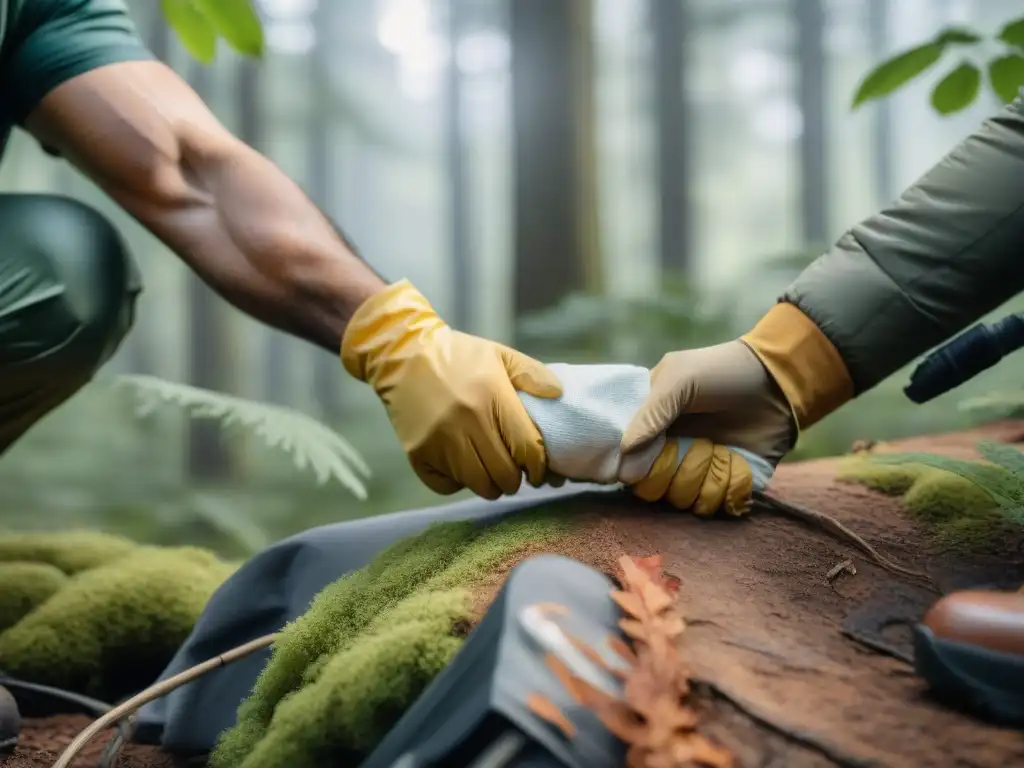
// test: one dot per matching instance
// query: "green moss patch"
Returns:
(108, 630)
(341, 675)
(71, 552)
(955, 511)
(24, 587)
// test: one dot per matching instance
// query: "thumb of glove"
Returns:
(668, 399)
(529, 375)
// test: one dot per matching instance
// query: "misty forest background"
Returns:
(589, 180)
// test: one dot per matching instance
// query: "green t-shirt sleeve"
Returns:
(53, 41)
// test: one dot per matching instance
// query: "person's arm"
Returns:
(948, 251)
(148, 140)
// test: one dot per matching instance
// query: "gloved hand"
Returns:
(451, 397)
(754, 393)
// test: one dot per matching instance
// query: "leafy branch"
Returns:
(960, 86)
(199, 24)
(1000, 475)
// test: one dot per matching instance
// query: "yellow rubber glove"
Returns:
(710, 477)
(451, 397)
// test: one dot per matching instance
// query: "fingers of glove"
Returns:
(655, 483)
(498, 463)
(434, 480)
(520, 436)
(685, 488)
(462, 468)
(667, 399)
(741, 486)
(529, 375)
(715, 487)
(553, 479)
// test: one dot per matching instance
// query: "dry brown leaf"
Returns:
(546, 709)
(652, 716)
(630, 604)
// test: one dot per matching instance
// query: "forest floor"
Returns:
(797, 663)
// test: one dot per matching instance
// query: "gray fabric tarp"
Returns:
(275, 587)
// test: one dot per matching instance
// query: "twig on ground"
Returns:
(833, 574)
(837, 529)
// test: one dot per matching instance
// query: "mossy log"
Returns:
(786, 635)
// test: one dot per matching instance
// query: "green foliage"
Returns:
(994, 406)
(955, 511)
(1000, 477)
(24, 587)
(589, 328)
(957, 89)
(960, 87)
(110, 630)
(342, 674)
(310, 444)
(199, 24)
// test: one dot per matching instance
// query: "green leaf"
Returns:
(1012, 33)
(897, 71)
(957, 90)
(197, 35)
(1002, 487)
(237, 22)
(1006, 75)
(957, 36)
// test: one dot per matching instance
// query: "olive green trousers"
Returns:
(67, 299)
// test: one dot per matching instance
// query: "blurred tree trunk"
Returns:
(879, 37)
(319, 170)
(458, 216)
(556, 236)
(669, 28)
(209, 459)
(814, 207)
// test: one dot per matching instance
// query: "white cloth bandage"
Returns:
(582, 429)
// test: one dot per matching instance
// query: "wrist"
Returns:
(803, 362)
(382, 325)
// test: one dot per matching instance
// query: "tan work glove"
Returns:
(754, 393)
(451, 397)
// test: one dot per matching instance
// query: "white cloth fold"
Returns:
(582, 429)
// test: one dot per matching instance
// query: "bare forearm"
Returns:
(258, 240)
(141, 133)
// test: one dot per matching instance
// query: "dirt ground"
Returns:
(793, 670)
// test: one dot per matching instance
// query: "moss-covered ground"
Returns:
(98, 614)
(341, 675)
(956, 512)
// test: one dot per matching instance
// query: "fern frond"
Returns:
(310, 444)
(995, 404)
(1005, 486)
